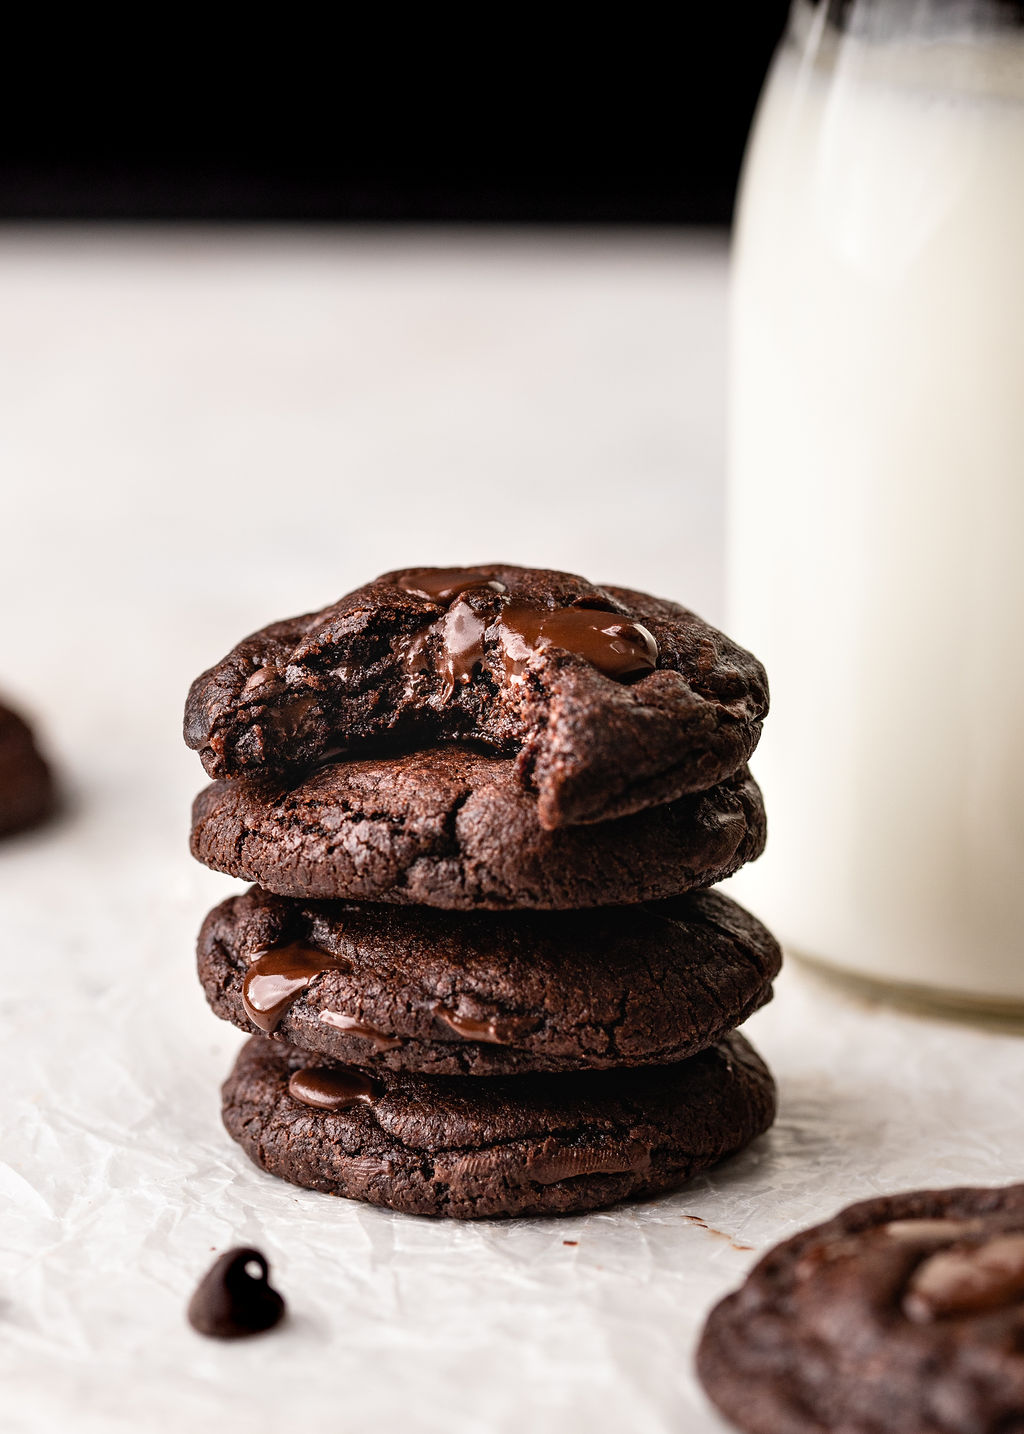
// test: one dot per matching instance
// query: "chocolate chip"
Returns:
(619, 648)
(471, 1029)
(931, 1232)
(967, 1281)
(232, 1301)
(442, 585)
(278, 976)
(332, 1087)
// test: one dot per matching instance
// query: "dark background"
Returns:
(626, 124)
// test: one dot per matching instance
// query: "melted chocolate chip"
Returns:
(332, 1088)
(931, 1232)
(471, 1029)
(548, 1167)
(459, 636)
(444, 584)
(265, 680)
(416, 657)
(462, 645)
(967, 1280)
(277, 977)
(614, 645)
(597, 604)
(289, 716)
(380, 1040)
(231, 1302)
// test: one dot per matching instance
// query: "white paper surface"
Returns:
(154, 393)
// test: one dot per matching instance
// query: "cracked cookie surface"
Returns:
(903, 1313)
(482, 993)
(453, 828)
(498, 1145)
(610, 700)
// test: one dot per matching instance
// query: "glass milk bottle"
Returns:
(876, 504)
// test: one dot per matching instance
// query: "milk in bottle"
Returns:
(876, 506)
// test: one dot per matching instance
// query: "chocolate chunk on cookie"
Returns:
(499, 1145)
(479, 993)
(454, 828)
(26, 785)
(903, 1313)
(610, 700)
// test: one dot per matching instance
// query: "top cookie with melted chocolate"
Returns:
(611, 700)
(905, 1312)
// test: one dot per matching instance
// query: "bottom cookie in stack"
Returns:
(466, 1146)
(480, 1064)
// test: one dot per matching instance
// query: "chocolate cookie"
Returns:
(612, 701)
(903, 1313)
(26, 786)
(454, 828)
(474, 993)
(499, 1145)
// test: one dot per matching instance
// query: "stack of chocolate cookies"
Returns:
(481, 808)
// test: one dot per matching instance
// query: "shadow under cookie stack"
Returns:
(484, 973)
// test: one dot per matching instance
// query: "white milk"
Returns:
(877, 503)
